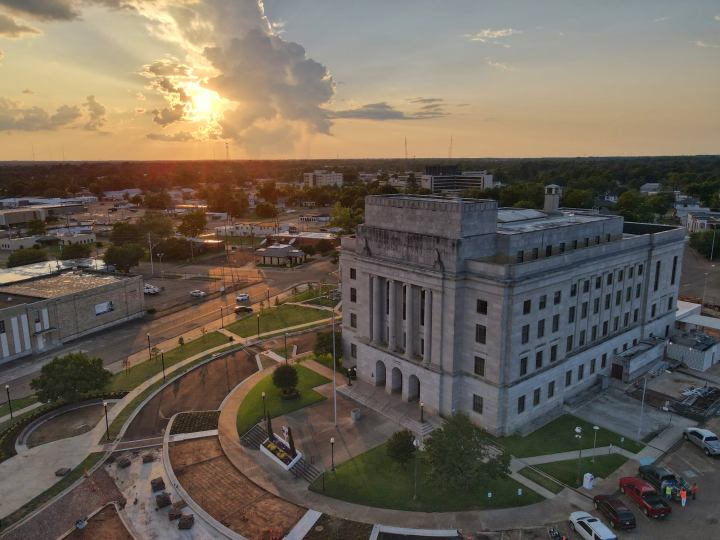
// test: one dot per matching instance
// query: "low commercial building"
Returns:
(40, 314)
(702, 221)
(322, 178)
(303, 239)
(252, 229)
(16, 217)
(280, 255)
(695, 349)
(27, 242)
(315, 218)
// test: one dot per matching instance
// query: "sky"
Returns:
(321, 79)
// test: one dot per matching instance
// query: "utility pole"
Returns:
(642, 408)
(152, 267)
(333, 381)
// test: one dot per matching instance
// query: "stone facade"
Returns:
(501, 313)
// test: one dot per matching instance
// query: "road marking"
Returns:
(698, 463)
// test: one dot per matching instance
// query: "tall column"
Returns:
(409, 328)
(392, 319)
(377, 309)
(427, 326)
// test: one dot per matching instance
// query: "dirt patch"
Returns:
(226, 494)
(304, 342)
(66, 425)
(332, 528)
(105, 525)
(203, 389)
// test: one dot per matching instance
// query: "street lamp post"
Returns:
(332, 454)
(422, 412)
(162, 359)
(642, 408)
(107, 424)
(334, 373)
(286, 355)
(7, 390)
(595, 429)
(222, 319)
(258, 325)
(264, 410)
(578, 436)
(149, 351)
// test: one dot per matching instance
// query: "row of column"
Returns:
(387, 299)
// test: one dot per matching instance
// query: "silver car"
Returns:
(704, 439)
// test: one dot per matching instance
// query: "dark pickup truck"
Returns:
(661, 477)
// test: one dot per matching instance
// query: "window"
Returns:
(562, 247)
(480, 366)
(422, 308)
(569, 344)
(535, 253)
(548, 251)
(523, 366)
(605, 328)
(353, 273)
(608, 237)
(593, 333)
(543, 301)
(557, 298)
(480, 333)
(477, 404)
(596, 305)
(538, 359)
(640, 269)
(353, 320)
(621, 275)
(628, 294)
(482, 306)
(598, 282)
(520, 256)
(541, 328)
(638, 290)
(657, 276)
(616, 323)
(2, 327)
(609, 278)
(573, 289)
(551, 389)
(536, 397)
(670, 303)
(607, 301)
(581, 372)
(582, 338)
(571, 314)
(353, 294)
(618, 297)
(525, 333)
(674, 271)
(626, 319)
(555, 323)
(653, 310)
(592, 366)
(630, 272)
(353, 350)
(553, 353)
(527, 307)
(587, 241)
(597, 239)
(568, 378)
(636, 313)
(603, 361)
(521, 405)
(575, 244)
(586, 285)
(584, 310)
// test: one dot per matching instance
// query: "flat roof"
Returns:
(694, 340)
(29, 271)
(59, 285)
(522, 220)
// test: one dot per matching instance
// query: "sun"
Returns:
(204, 103)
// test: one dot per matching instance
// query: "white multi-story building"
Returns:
(456, 182)
(322, 178)
(252, 229)
(501, 313)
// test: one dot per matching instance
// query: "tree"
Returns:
(578, 198)
(345, 218)
(36, 227)
(324, 246)
(26, 256)
(323, 343)
(157, 201)
(266, 210)
(462, 454)
(75, 251)
(70, 377)
(401, 446)
(633, 207)
(174, 249)
(156, 224)
(285, 378)
(126, 233)
(193, 224)
(123, 258)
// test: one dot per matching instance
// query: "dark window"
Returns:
(631, 271)
(670, 303)
(548, 251)
(353, 350)
(562, 247)
(636, 313)
(520, 256)
(568, 378)
(587, 241)
(538, 359)
(584, 310)
(598, 282)
(557, 298)
(609, 279)
(581, 372)
(593, 333)
(526, 333)
(479, 366)
(353, 273)
(640, 269)
(605, 328)
(353, 294)
(2, 327)
(596, 305)
(618, 297)
(422, 308)
(592, 366)
(527, 307)
(553, 353)
(628, 294)
(571, 314)
(523, 366)
(657, 276)
(521, 404)
(607, 301)
(480, 333)
(638, 290)
(621, 275)
(353, 320)
(541, 328)
(543, 301)
(477, 404)
(603, 361)
(482, 306)
(573, 289)
(626, 319)
(674, 271)
(586, 285)
(575, 244)
(569, 344)
(535, 253)
(551, 389)
(536, 397)
(653, 310)
(616, 323)
(582, 338)
(555, 323)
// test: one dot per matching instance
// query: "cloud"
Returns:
(717, 17)
(27, 91)
(168, 77)
(661, 19)
(425, 100)
(2, 54)
(498, 65)
(96, 113)
(492, 35)
(166, 67)
(63, 10)
(706, 45)
(14, 117)
(9, 28)
(385, 111)
(181, 136)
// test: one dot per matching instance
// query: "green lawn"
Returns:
(17, 404)
(327, 361)
(373, 479)
(143, 371)
(559, 436)
(251, 409)
(539, 479)
(276, 318)
(316, 295)
(566, 471)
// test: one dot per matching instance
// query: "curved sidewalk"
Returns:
(283, 484)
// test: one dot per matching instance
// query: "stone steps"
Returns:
(254, 437)
(306, 471)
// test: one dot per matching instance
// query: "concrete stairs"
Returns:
(306, 471)
(254, 437)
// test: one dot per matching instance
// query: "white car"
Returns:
(704, 439)
(197, 293)
(150, 289)
(243, 297)
(589, 527)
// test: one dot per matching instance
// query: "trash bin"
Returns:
(355, 415)
(588, 480)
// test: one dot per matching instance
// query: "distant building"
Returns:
(322, 178)
(315, 218)
(694, 349)
(63, 239)
(686, 206)
(303, 239)
(450, 180)
(19, 202)
(252, 229)
(650, 188)
(280, 255)
(122, 194)
(702, 221)
(21, 216)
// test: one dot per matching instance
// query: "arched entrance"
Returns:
(396, 381)
(413, 388)
(379, 373)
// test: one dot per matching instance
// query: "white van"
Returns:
(589, 527)
(243, 297)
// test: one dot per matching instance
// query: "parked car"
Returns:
(243, 297)
(243, 309)
(661, 478)
(151, 289)
(704, 439)
(589, 527)
(645, 496)
(197, 293)
(616, 511)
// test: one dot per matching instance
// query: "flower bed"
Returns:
(279, 451)
(192, 422)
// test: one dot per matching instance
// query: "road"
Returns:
(118, 343)
(694, 282)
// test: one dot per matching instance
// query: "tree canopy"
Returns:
(266, 210)
(26, 256)
(123, 258)
(193, 224)
(75, 251)
(401, 446)
(285, 377)
(70, 377)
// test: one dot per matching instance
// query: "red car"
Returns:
(645, 496)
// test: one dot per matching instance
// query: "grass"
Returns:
(276, 318)
(327, 361)
(143, 371)
(373, 479)
(566, 471)
(52, 491)
(559, 436)
(17, 404)
(541, 480)
(251, 409)
(314, 295)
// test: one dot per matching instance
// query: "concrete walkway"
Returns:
(19, 412)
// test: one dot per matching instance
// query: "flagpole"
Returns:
(334, 372)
